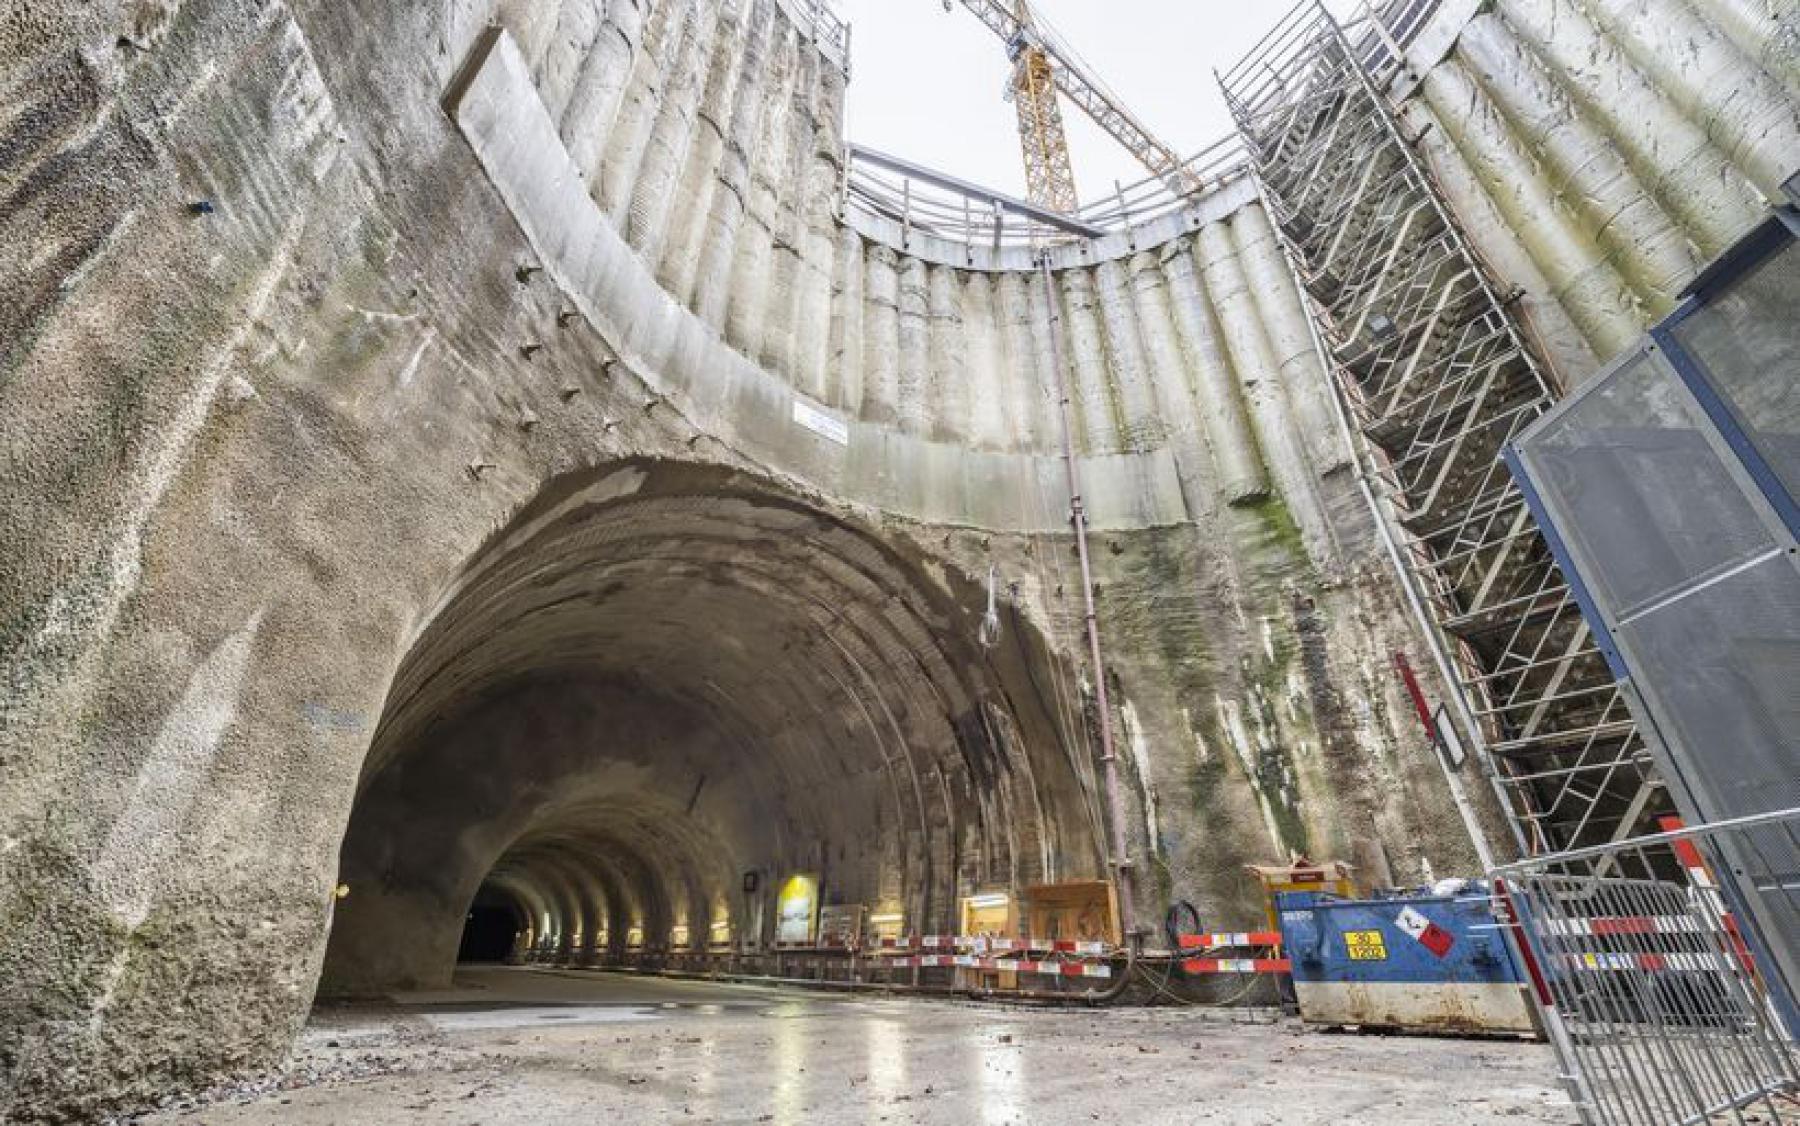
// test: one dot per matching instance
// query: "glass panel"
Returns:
(1640, 496)
(1749, 339)
(1723, 667)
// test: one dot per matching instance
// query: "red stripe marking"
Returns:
(1538, 984)
(1684, 849)
(1213, 941)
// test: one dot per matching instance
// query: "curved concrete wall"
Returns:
(1598, 152)
(251, 449)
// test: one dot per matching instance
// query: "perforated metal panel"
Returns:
(1747, 336)
(1689, 571)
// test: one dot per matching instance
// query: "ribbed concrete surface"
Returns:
(1599, 151)
(258, 461)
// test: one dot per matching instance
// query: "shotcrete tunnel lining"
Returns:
(658, 676)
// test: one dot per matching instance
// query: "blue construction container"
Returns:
(1411, 960)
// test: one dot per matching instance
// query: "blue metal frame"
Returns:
(1547, 527)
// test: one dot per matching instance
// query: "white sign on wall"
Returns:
(823, 423)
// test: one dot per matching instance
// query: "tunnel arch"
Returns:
(658, 676)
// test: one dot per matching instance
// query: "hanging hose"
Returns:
(1119, 859)
(988, 634)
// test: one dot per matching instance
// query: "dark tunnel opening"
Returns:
(492, 930)
(663, 697)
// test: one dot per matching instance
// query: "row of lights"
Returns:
(720, 929)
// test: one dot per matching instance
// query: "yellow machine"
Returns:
(1301, 874)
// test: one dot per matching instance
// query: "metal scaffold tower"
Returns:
(1434, 376)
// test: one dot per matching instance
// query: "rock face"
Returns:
(462, 441)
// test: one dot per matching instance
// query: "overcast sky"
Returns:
(926, 84)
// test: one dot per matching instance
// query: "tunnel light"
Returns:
(883, 920)
(992, 899)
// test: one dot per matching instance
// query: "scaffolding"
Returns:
(1434, 377)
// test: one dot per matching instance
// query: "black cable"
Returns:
(1173, 919)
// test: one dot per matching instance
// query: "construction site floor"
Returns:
(554, 1047)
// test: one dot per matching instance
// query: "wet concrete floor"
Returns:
(564, 1047)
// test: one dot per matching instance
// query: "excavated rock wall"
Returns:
(310, 308)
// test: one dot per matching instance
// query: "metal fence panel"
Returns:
(1657, 1001)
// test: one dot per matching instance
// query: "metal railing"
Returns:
(819, 18)
(1655, 981)
(940, 205)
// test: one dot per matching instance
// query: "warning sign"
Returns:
(1365, 946)
(1431, 936)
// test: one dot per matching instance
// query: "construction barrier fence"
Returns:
(1655, 987)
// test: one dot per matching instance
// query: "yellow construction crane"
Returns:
(1043, 65)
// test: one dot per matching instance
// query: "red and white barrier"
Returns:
(981, 942)
(1265, 963)
(1003, 965)
(1231, 940)
(1694, 962)
(1237, 966)
(1604, 925)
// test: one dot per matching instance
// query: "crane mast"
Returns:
(1049, 173)
(1042, 69)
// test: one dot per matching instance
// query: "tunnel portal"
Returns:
(659, 691)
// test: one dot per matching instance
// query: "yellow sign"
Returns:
(796, 908)
(1365, 946)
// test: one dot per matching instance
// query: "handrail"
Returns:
(828, 29)
(944, 206)
(865, 156)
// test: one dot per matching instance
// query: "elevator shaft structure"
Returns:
(1434, 375)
